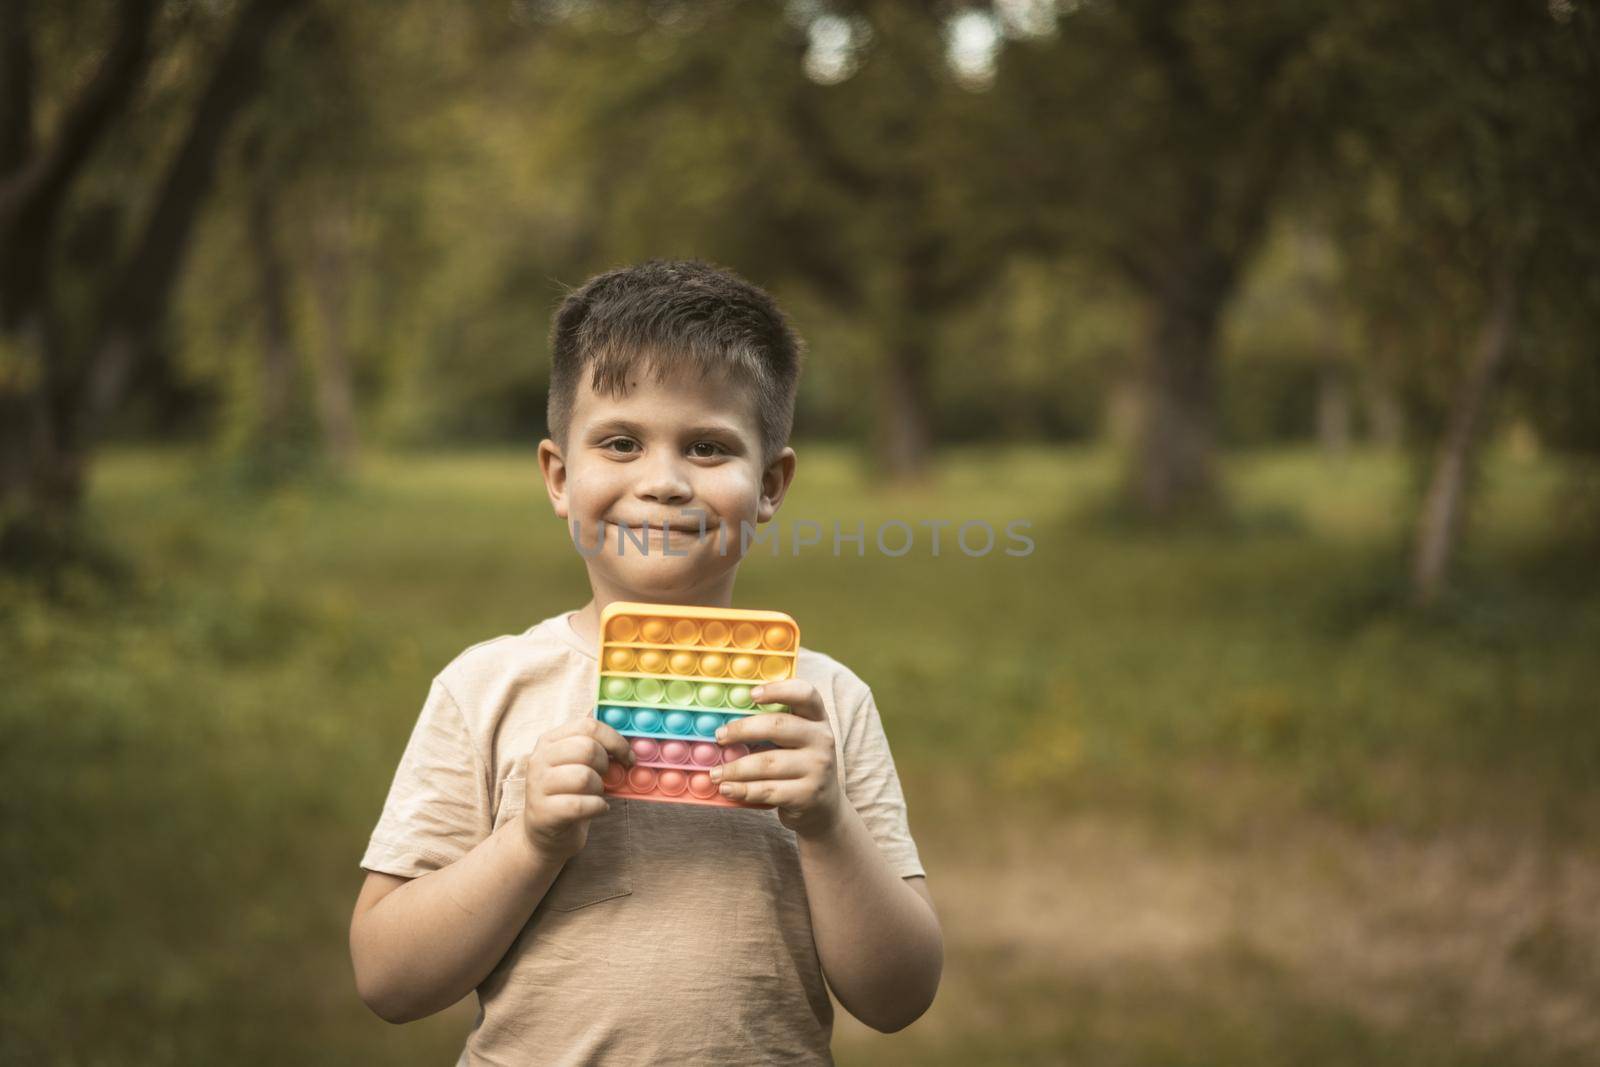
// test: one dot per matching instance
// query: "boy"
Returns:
(633, 932)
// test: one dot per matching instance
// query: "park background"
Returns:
(1276, 320)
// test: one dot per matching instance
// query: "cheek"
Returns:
(593, 487)
(730, 490)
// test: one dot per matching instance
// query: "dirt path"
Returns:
(1480, 935)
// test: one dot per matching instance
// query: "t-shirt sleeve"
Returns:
(873, 788)
(438, 805)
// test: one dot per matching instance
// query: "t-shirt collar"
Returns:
(561, 627)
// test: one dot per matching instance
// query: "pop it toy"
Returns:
(671, 675)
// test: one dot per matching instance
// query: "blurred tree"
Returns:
(306, 147)
(56, 381)
(1477, 167)
(1156, 137)
(825, 146)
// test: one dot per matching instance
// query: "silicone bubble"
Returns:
(679, 722)
(706, 755)
(623, 628)
(683, 662)
(642, 778)
(680, 693)
(648, 691)
(672, 783)
(713, 665)
(645, 747)
(707, 724)
(646, 719)
(747, 635)
(708, 695)
(777, 638)
(652, 661)
(655, 631)
(739, 696)
(617, 689)
(675, 751)
(716, 634)
(616, 718)
(620, 659)
(685, 632)
(743, 666)
(615, 775)
(735, 751)
(702, 786)
(774, 668)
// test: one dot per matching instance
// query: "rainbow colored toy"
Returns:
(670, 676)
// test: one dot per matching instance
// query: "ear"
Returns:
(775, 481)
(554, 469)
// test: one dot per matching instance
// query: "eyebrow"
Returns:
(714, 429)
(710, 429)
(616, 426)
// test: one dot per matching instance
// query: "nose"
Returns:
(662, 481)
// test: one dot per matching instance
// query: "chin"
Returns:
(660, 577)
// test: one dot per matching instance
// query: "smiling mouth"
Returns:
(656, 526)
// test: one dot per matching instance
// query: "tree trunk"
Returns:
(1121, 412)
(1439, 525)
(1333, 409)
(1385, 420)
(1173, 457)
(335, 391)
(41, 465)
(274, 416)
(136, 307)
(1380, 400)
(41, 447)
(51, 390)
(903, 431)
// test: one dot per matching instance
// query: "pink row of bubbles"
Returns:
(684, 754)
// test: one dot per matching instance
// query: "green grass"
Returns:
(194, 758)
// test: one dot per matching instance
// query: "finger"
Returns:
(779, 763)
(609, 740)
(613, 742)
(571, 807)
(777, 727)
(571, 779)
(586, 751)
(801, 697)
(776, 794)
(589, 726)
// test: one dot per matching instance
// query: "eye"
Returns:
(622, 446)
(706, 450)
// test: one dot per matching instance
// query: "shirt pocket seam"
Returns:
(610, 883)
(618, 878)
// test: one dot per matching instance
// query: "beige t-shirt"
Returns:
(680, 934)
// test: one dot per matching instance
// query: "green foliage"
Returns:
(1472, 156)
(194, 757)
(453, 171)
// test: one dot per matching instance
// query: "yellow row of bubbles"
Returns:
(712, 633)
(704, 664)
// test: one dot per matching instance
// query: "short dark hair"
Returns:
(675, 314)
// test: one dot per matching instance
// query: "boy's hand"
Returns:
(800, 778)
(564, 787)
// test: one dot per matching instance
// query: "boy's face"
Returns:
(659, 454)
